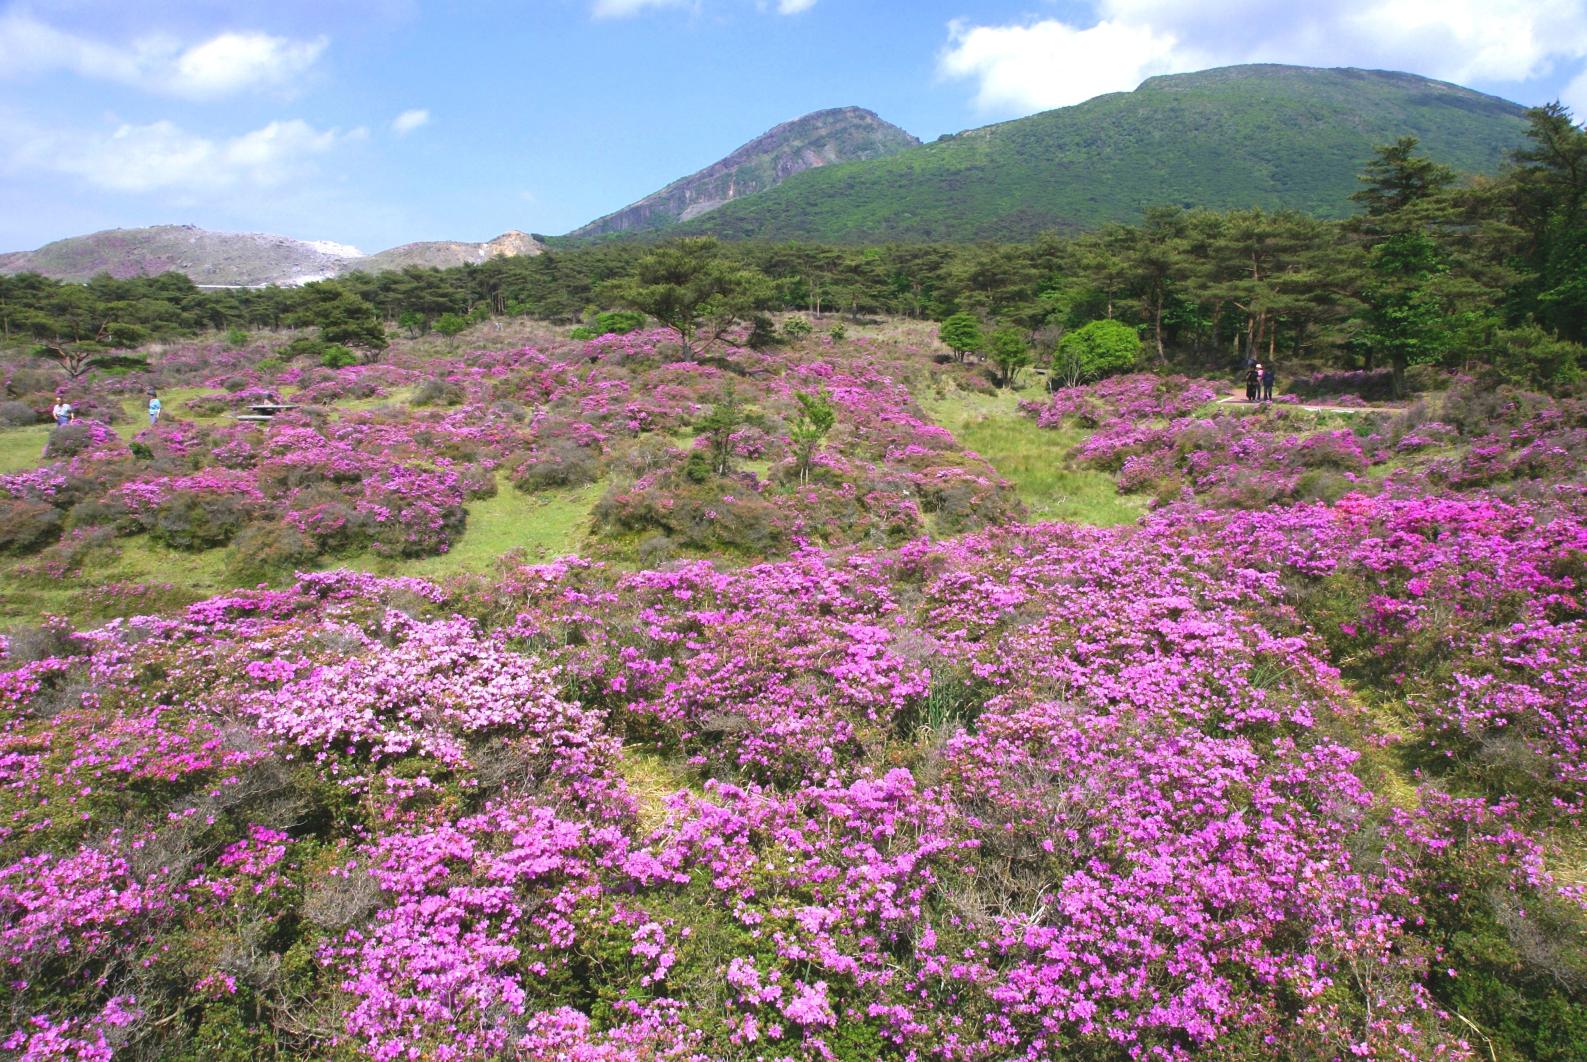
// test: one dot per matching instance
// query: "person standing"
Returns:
(1267, 383)
(154, 407)
(62, 412)
(1253, 380)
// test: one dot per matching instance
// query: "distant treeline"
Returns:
(1485, 272)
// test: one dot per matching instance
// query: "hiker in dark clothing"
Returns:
(1267, 384)
(1253, 380)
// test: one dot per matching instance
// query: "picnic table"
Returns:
(263, 411)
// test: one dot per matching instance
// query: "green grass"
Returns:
(544, 525)
(1034, 459)
(22, 448)
(170, 578)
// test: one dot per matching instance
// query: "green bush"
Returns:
(191, 521)
(236, 337)
(304, 347)
(618, 322)
(557, 463)
(26, 526)
(1101, 348)
(436, 392)
(336, 356)
(269, 550)
(797, 328)
(961, 334)
(584, 332)
(762, 333)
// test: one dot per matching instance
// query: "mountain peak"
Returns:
(1260, 135)
(820, 138)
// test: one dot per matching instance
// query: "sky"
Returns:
(379, 122)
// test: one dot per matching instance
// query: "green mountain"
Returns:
(1266, 135)
(822, 138)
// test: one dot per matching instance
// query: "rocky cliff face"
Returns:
(241, 259)
(843, 134)
(444, 253)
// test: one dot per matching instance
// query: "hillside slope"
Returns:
(822, 138)
(207, 257)
(1268, 136)
(240, 259)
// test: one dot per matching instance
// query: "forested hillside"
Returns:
(1274, 137)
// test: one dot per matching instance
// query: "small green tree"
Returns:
(1098, 349)
(724, 418)
(451, 325)
(762, 333)
(351, 321)
(413, 321)
(796, 328)
(961, 334)
(1530, 356)
(618, 322)
(689, 287)
(810, 426)
(1010, 353)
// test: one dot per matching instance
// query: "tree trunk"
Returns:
(1157, 329)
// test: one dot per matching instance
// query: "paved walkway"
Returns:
(1236, 397)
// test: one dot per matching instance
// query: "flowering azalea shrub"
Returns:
(331, 479)
(1283, 770)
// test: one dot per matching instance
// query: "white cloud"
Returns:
(793, 7)
(1049, 62)
(408, 121)
(1575, 97)
(629, 8)
(163, 157)
(222, 65)
(232, 62)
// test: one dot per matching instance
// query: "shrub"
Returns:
(236, 337)
(69, 440)
(438, 392)
(762, 333)
(1529, 356)
(337, 356)
(1101, 348)
(796, 328)
(557, 463)
(655, 549)
(27, 526)
(1321, 484)
(305, 347)
(961, 333)
(189, 520)
(53, 638)
(110, 513)
(584, 332)
(330, 520)
(18, 415)
(267, 550)
(618, 322)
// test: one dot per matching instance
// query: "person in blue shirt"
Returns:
(154, 407)
(1267, 382)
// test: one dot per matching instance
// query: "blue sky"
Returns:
(378, 122)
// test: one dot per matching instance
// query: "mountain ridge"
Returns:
(820, 138)
(1264, 135)
(241, 259)
(1267, 135)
